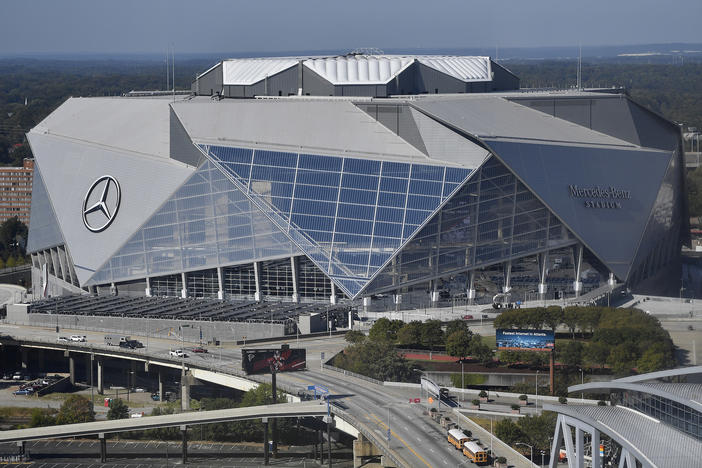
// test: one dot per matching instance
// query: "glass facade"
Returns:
(202, 283)
(349, 215)
(492, 218)
(671, 412)
(206, 223)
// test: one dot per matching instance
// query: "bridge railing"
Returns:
(352, 374)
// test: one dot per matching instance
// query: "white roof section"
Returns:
(329, 127)
(136, 125)
(359, 69)
(466, 69)
(250, 71)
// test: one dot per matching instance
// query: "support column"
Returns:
(595, 441)
(579, 448)
(508, 277)
(42, 359)
(330, 422)
(160, 384)
(147, 291)
(366, 302)
(184, 431)
(434, 293)
(184, 391)
(100, 386)
(88, 364)
(21, 448)
(72, 368)
(220, 283)
(470, 287)
(543, 287)
(265, 440)
(103, 447)
(612, 281)
(578, 257)
(25, 358)
(274, 423)
(132, 374)
(293, 266)
(257, 278)
(332, 298)
(184, 290)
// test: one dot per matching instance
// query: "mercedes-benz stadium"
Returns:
(355, 177)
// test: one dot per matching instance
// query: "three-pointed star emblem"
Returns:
(101, 203)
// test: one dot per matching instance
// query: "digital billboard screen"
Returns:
(263, 361)
(525, 340)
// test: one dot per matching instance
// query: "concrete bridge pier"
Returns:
(72, 368)
(25, 358)
(21, 448)
(41, 357)
(265, 441)
(103, 447)
(160, 384)
(184, 431)
(100, 372)
(362, 450)
(184, 391)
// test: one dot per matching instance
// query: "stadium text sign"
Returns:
(525, 340)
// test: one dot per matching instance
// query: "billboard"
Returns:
(525, 340)
(263, 361)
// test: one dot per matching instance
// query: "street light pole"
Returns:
(531, 451)
(582, 381)
(536, 386)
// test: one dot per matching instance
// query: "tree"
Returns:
(571, 354)
(459, 343)
(76, 409)
(456, 325)
(508, 431)
(553, 316)
(353, 336)
(410, 333)
(570, 318)
(597, 353)
(385, 330)
(432, 334)
(41, 417)
(622, 358)
(536, 430)
(376, 359)
(118, 409)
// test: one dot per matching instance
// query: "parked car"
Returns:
(7, 376)
(155, 396)
(78, 338)
(137, 415)
(17, 376)
(23, 391)
(62, 339)
(139, 390)
(467, 317)
(178, 353)
(199, 349)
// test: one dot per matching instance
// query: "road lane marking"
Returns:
(401, 440)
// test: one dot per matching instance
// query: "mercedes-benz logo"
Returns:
(101, 203)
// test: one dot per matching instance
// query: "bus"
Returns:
(456, 437)
(475, 452)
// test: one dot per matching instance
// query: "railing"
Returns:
(352, 374)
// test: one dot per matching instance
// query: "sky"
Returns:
(211, 26)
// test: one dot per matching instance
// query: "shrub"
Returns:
(501, 460)
(562, 400)
(601, 403)
(514, 407)
(483, 394)
(476, 402)
(523, 397)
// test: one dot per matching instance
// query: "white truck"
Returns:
(115, 340)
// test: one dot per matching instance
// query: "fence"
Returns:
(352, 374)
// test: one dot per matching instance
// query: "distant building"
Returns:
(357, 178)
(655, 420)
(16, 191)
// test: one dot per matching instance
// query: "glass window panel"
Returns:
(365, 197)
(281, 204)
(353, 226)
(362, 166)
(315, 223)
(361, 212)
(390, 184)
(416, 216)
(388, 229)
(389, 214)
(359, 181)
(275, 158)
(422, 202)
(395, 169)
(455, 174)
(276, 174)
(422, 187)
(240, 155)
(421, 171)
(324, 163)
(448, 188)
(241, 170)
(391, 199)
(316, 193)
(280, 189)
(329, 179)
(314, 208)
(322, 237)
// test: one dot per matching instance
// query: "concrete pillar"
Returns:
(508, 277)
(578, 257)
(332, 298)
(366, 302)
(397, 298)
(470, 287)
(293, 266)
(88, 364)
(103, 447)
(100, 385)
(25, 358)
(184, 392)
(184, 291)
(265, 441)
(433, 292)
(595, 441)
(220, 284)
(330, 423)
(184, 431)
(21, 447)
(257, 279)
(612, 281)
(543, 261)
(363, 449)
(160, 384)
(147, 291)
(72, 368)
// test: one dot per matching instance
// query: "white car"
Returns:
(78, 338)
(62, 339)
(178, 353)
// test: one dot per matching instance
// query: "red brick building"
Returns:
(16, 191)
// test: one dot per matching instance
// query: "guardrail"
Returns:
(352, 374)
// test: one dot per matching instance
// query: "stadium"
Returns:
(355, 178)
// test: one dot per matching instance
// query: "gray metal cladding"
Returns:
(181, 147)
(604, 195)
(209, 83)
(44, 229)
(503, 79)
(431, 81)
(654, 131)
(315, 85)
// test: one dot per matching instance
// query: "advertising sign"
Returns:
(264, 361)
(525, 340)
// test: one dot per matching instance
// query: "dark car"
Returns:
(199, 349)
(155, 396)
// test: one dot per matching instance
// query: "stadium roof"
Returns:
(355, 69)
(664, 446)
(685, 394)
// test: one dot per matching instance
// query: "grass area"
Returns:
(13, 412)
(482, 422)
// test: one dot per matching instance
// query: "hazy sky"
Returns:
(194, 26)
